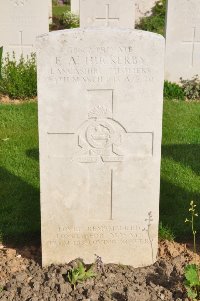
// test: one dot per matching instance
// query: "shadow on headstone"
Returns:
(19, 211)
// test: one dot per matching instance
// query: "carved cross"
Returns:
(99, 141)
(107, 18)
(193, 43)
(21, 42)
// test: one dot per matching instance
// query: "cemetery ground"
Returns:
(22, 277)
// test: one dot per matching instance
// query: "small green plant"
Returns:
(156, 21)
(70, 20)
(79, 274)
(19, 78)
(165, 233)
(191, 88)
(66, 20)
(192, 282)
(173, 91)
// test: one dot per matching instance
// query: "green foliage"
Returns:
(66, 20)
(79, 274)
(193, 214)
(58, 10)
(191, 88)
(70, 20)
(1, 288)
(165, 233)
(19, 78)
(173, 91)
(156, 21)
(192, 282)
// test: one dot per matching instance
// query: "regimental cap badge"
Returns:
(99, 112)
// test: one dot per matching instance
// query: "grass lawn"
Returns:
(180, 172)
(19, 173)
(19, 169)
(59, 9)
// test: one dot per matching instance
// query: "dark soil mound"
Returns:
(22, 278)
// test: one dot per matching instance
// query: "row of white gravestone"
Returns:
(142, 7)
(182, 39)
(182, 59)
(21, 21)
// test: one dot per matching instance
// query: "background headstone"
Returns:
(100, 122)
(110, 13)
(50, 11)
(143, 8)
(182, 39)
(20, 22)
(75, 6)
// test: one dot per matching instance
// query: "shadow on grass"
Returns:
(186, 154)
(174, 204)
(20, 208)
(33, 153)
(175, 200)
(19, 211)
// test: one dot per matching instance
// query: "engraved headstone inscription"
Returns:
(100, 124)
(182, 40)
(21, 21)
(109, 13)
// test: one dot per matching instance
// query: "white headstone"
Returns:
(75, 6)
(111, 13)
(20, 22)
(143, 8)
(182, 39)
(50, 11)
(100, 123)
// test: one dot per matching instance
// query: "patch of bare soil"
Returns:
(6, 100)
(23, 279)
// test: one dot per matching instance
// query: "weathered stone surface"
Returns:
(75, 6)
(110, 13)
(50, 11)
(143, 8)
(182, 39)
(20, 22)
(100, 120)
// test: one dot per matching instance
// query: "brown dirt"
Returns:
(22, 278)
(6, 100)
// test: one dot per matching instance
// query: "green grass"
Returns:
(19, 173)
(59, 10)
(180, 171)
(19, 170)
